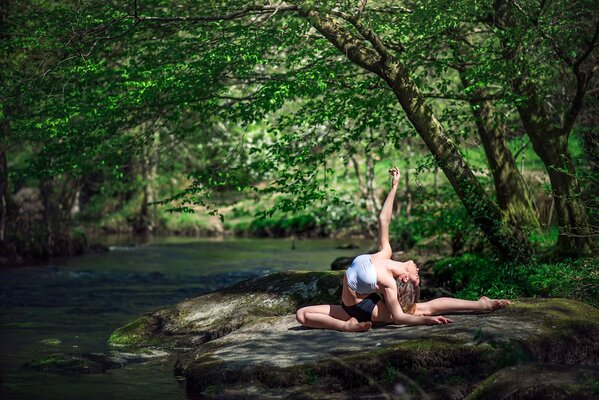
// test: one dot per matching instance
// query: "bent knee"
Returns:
(421, 309)
(300, 316)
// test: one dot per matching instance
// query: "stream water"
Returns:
(80, 301)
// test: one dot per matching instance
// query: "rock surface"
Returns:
(201, 319)
(279, 356)
(535, 381)
(244, 342)
(341, 263)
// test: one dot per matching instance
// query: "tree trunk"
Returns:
(366, 189)
(3, 138)
(146, 221)
(3, 190)
(575, 236)
(550, 142)
(46, 193)
(408, 195)
(512, 192)
(509, 242)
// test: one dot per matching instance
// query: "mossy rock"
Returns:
(276, 355)
(198, 320)
(541, 381)
(86, 363)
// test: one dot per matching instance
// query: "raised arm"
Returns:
(386, 213)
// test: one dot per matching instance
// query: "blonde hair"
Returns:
(407, 295)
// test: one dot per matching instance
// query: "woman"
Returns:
(370, 290)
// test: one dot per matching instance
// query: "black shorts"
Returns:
(363, 310)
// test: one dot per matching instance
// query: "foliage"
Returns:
(571, 278)
(473, 275)
(155, 96)
(435, 214)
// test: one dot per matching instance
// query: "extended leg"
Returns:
(447, 304)
(385, 219)
(330, 317)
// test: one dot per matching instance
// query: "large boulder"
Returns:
(276, 356)
(208, 317)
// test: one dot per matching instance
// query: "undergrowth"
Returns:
(471, 275)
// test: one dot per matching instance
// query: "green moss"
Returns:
(81, 363)
(134, 333)
(213, 390)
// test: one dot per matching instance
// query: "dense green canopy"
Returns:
(262, 97)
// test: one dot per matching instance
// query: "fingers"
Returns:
(442, 320)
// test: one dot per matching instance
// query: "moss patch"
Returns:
(136, 332)
(86, 363)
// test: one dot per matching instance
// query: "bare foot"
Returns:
(354, 326)
(493, 304)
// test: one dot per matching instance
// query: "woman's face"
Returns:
(412, 271)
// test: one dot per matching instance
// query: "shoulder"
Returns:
(385, 279)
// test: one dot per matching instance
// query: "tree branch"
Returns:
(342, 40)
(251, 10)
(367, 33)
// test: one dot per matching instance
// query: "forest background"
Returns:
(282, 118)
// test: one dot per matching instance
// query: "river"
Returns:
(80, 301)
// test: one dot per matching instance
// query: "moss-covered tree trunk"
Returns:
(550, 139)
(575, 236)
(369, 52)
(550, 143)
(512, 192)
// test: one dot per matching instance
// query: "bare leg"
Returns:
(330, 317)
(381, 314)
(447, 304)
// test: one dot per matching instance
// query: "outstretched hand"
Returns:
(394, 172)
(439, 321)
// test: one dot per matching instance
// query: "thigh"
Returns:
(333, 310)
(381, 314)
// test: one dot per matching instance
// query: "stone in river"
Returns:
(275, 356)
(86, 363)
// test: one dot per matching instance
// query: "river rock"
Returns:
(348, 246)
(341, 263)
(85, 363)
(275, 356)
(204, 318)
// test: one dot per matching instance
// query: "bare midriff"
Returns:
(349, 296)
